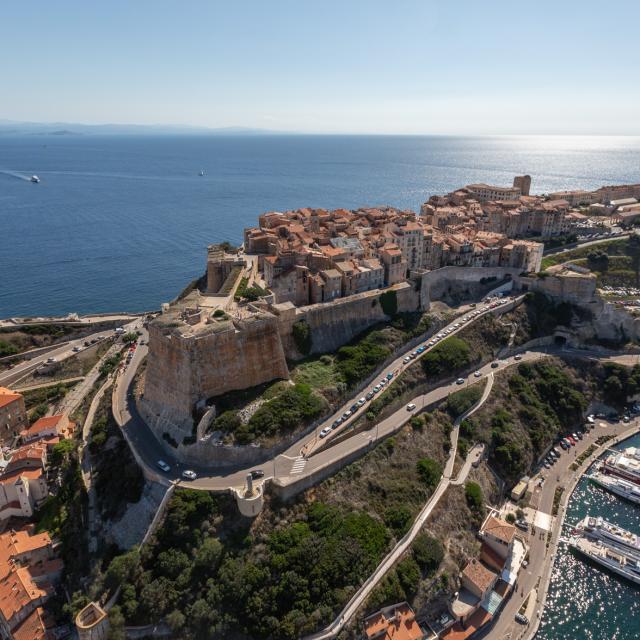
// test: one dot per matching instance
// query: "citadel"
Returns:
(332, 274)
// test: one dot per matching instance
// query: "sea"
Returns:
(586, 602)
(121, 223)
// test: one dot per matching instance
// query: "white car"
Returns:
(517, 357)
(187, 474)
(376, 388)
(460, 381)
(163, 466)
(325, 432)
(407, 359)
(411, 406)
(477, 374)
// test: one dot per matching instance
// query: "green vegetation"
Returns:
(389, 303)
(293, 408)
(282, 588)
(615, 263)
(619, 383)
(109, 450)
(230, 281)
(7, 349)
(110, 364)
(252, 293)
(447, 357)
(302, 337)
(46, 395)
(130, 338)
(474, 497)
(64, 514)
(543, 399)
(461, 401)
(430, 472)
(358, 361)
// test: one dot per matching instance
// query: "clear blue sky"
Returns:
(362, 66)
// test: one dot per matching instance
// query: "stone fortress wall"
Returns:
(186, 368)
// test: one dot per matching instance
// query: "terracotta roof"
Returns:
(499, 529)
(397, 622)
(34, 626)
(457, 632)
(17, 590)
(29, 474)
(490, 557)
(7, 396)
(477, 574)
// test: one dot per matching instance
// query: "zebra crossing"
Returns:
(298, 465)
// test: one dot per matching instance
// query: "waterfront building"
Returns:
(13, 415)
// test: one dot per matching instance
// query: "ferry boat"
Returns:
(623, 464)
(618, 486)
(616, 561)
(35, 179)
(596, 528)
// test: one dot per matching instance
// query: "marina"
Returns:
(587, 596)
(602, 554)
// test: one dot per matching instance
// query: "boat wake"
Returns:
(15, 174)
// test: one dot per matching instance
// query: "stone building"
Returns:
(92, 623)
(13, 415)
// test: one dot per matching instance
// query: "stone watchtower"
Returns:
(92, 623)
(215, 268)
(523, 183)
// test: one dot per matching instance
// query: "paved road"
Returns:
(61, 353)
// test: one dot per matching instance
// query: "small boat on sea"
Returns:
(597, 528)
(201, 172)
(35, 179)
(618, 486)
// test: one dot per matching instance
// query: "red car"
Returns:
(572, 441)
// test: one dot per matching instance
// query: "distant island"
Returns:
(17, 128)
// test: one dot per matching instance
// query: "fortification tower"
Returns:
(523, 183)
(215, 269)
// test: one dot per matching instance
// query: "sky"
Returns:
(326, 66)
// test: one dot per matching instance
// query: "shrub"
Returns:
(461, 401)
(302, 336)
(430, 471)
(356, 362)
(398, 519)
(428, 552)
(510, 518)
(446, 357)
(389, 303)
(473, 495)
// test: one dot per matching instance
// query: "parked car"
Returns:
(51, 360)
(336, 423)
(522, 524)
(163, 466)
(377, 388)
(257, 473)
(517, 357)
(477, 374)
(407, 359)
(522, 619)
(187, 474)
(495, 364)
(460, 381)
(369, 395)
(361, 402)
(75, 349)
(389, 375)
(325, 432)
(411, 406)
(591, 419)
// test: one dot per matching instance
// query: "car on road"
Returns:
(411, 406)
(325, 432)
(51, 360)
(522, 619)
(460, 381)
(495, 364)
(522, 524)
(75, 349)
(336, 423)
(377, 388)
(389, 375)
(591, 419)
(187, 474)
(577, 436)
(161, 464)
(407, 359)
(361, 402)
(383, 382)
(517, 357)
(572, 442)
(477, 374)
(346, 415)
(257, 473)
(369, 395)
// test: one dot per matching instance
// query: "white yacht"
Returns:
(618, 486)
(596, 528)
(616, 561)
(35, 179)
(623, 464)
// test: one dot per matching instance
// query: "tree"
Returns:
(116, 624)
(130, 338)
(302, 336)
(122, 568)
(428, 552)
(430, 471)
(398, 519)
(389, 303)
(473, 495)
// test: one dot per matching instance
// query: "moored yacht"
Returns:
(618, 486)
(623, 464)
(596, 528)
(615, 560)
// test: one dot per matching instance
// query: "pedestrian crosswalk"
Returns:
(298, 465)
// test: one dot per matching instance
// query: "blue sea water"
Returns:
(586, 602)
(121, 223)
